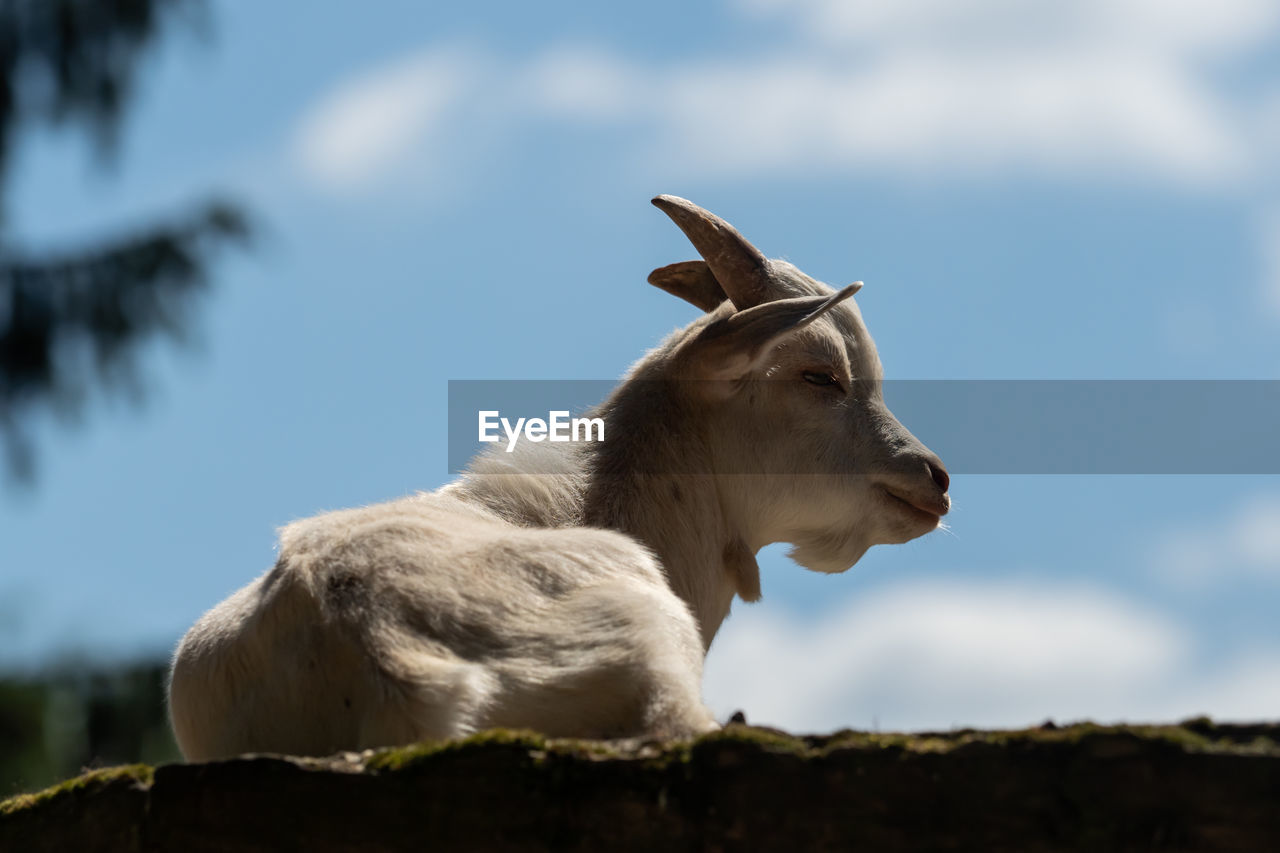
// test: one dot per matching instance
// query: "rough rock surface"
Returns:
(1197, 786)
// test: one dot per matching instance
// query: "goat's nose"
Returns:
(939, 474)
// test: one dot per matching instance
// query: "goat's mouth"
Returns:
(927, 511)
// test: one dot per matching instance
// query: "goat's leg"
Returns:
(618, 659)
(419, 694)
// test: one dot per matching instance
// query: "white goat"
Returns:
(579, 602)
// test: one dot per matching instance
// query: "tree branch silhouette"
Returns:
(74, 320)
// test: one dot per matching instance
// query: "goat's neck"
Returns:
(679, 519)
(647, 479)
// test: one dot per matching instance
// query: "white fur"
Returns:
(572, 589)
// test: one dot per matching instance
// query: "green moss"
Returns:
(821, 745)
(769, 739)
(539, 753)
(1179, 735)
(404, 757)
(911, 743)
(661, 755)
(1260, 746)
(672, 753)
(141, 774)
(1205, 738)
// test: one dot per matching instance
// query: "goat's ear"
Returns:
(731, 348)
(692, 281)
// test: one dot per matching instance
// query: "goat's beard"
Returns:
(829, 552)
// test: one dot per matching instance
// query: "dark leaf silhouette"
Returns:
(73, 320)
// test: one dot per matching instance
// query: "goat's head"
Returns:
(786, 381)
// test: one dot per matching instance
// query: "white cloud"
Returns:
(1086, 114)
(1247, 689)
(1243, 546)
(1167, 26)
(360, 132)
(1096, 90)
(584, 83)
(939, 654)
(1268, 236)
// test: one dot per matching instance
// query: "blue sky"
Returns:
(462, 192)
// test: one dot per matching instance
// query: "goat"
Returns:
(575, 589)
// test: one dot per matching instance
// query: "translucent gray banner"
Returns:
(976, 426)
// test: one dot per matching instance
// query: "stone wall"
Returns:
(1197, 786)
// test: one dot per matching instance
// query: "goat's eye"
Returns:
(820, 379)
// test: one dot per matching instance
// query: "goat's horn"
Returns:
(739, 266)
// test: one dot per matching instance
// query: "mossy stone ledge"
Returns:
(1194, 786)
